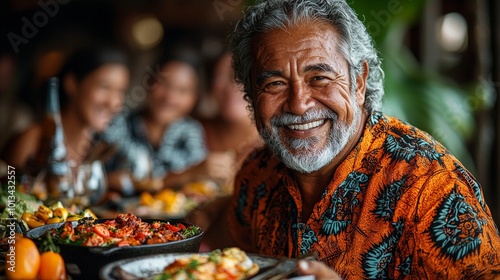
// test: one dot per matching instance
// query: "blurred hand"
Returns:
(205, 214)
(220, 167)
(318, 269)
(152, 185)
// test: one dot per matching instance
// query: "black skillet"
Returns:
(84, 262)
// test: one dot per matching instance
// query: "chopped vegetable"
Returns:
(31, 220)
(190, 231)
(125, 230)
(61, 212)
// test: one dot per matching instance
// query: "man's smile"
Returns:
(302, 130)
(306, 126)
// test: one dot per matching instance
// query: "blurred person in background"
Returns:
(231, 129)
(93, 82)
(14, 116)
(160, 145)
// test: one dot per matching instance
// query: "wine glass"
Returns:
(141, 171)
(142, 165)
(52, 185)
(90, 184)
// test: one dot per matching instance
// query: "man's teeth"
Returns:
(306, 126)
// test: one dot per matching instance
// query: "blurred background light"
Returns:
(147, 32)
(452, 32)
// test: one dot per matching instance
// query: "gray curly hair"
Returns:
(355, 43)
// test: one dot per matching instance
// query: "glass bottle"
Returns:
(55, 172)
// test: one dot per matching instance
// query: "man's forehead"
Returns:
(311, 42)
(298, 33)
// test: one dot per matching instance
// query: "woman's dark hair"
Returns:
(84, 61)
(211, 66)
(183, 54)
(187, 54)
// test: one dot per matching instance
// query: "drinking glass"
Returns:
(90, 184)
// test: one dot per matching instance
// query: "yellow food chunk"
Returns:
(146, 199)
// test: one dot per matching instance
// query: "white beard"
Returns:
(306, 156)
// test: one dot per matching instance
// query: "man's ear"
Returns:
(70, 84)
(361, 84)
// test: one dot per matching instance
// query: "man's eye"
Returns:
(318, 78)
(275, 86)
(319, 81)
(275, 83)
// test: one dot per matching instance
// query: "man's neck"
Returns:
(311, 188)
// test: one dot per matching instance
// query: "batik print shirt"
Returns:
(399, 206)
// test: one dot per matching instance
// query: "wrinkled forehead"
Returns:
(312, 41)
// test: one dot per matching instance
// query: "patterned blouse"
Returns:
(182, 146)
(399, 206)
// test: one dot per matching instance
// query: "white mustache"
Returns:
(306, 158)
(286, 119)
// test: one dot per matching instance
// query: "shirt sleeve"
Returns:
(453, 236)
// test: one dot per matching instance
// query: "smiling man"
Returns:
(372, 196)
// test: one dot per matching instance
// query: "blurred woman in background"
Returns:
(231, 129)
(93, 84)
(161, 146)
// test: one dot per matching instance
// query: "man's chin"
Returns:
(297, 153)
(304, 160)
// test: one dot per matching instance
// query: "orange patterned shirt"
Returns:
(399, 206)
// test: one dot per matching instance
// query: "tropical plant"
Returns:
(420, 96)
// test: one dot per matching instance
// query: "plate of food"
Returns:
(86, 245)
(167, 204)
(228, 263)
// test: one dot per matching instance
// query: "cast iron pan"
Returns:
(83, 262)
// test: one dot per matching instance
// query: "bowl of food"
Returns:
(87, 245)
(228, 263)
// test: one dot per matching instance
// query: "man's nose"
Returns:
(299, 99)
